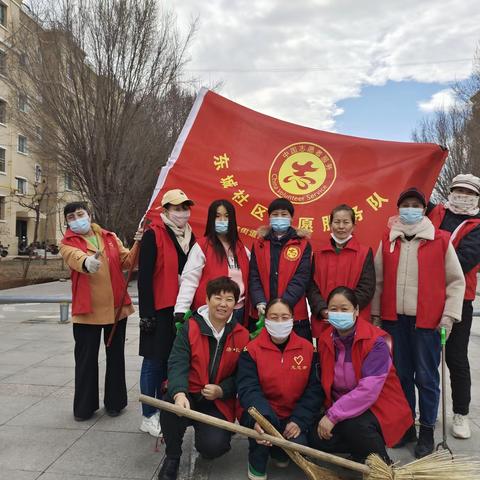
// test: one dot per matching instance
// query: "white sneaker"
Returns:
(461, 426)
(151, 425)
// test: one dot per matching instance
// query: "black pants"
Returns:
(210, 442)
(87, 344)
(360, 436)
(457, 360)
(258, 454)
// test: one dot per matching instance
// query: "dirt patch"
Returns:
(11, 272)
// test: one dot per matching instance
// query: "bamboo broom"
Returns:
(437, 466)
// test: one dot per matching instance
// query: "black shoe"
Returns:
(409, 436)
(112, 413)
(425, 443)
(169, 470)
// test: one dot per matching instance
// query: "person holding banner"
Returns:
(340, 261)
(460, 217)
(366, 409)
(96, 258)
(280, 266)
(277, 375)
(163, 254)
(201, 375)
(219, 253)
(420, 289)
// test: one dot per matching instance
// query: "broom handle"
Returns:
(124, 295)
(249, 432)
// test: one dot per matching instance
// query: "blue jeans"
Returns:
(416, 356)
(152, 375)
(238, 315)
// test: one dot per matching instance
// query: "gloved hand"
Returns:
(261, 309)
(92, 264)
(138, 235)
(447, 323)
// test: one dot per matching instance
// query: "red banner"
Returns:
(228, 151)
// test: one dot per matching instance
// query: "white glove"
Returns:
(138, 235)
(447, 323)
(261, 309)
(92, 264)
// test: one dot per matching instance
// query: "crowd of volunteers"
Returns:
(332, 345)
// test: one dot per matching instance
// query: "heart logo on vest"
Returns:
(298, 359)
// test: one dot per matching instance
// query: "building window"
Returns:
(3, 111)
(2, 208)
(21, 186)
(38, 173)
(68, 181)
(3, 14)
(2, 161)
(3, 63)
(22, 103)
(22, 144)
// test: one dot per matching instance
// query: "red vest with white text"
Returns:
(283, 375)
(198, 376)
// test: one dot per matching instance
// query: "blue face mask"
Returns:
(341, 320)
(410, 215)
(280, 224)
(221, 226)
(81, 226)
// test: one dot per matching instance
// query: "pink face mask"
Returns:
(180, 219)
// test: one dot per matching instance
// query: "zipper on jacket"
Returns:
(214, 358)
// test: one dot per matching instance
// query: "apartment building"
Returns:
(23, 174)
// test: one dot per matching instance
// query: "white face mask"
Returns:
(180, 219)
(340, 242)
(279, 330)
(462, 203)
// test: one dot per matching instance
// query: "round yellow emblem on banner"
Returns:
(292, 253)
(302, 172)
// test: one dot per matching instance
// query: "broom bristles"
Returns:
(436, 466)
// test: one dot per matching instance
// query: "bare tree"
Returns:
(458, 129)
(103, 84)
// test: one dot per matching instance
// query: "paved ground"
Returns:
(40, 440)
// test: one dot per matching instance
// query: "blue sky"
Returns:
(348, 66)
(388, 112)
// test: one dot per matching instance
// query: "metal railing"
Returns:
(63, 300)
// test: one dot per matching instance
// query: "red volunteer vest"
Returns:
(391, 407)
(333, 270)
(81, 298)
(436, 216)
(290, 257)
(431, 279)
(283, 375)
(198, 376)
(214, 268)
(165, 275)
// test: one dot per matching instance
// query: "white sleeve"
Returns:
(455, 285)
(190, 279)
(249, 254)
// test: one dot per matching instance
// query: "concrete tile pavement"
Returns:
(40, 440)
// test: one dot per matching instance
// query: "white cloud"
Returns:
(296, 60)
(442, 100)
